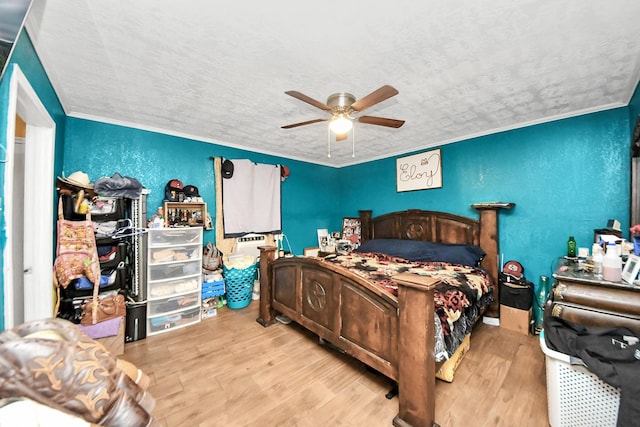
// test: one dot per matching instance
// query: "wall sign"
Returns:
(419, 172)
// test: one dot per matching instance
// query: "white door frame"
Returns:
(38, 203)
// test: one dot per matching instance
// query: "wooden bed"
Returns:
(393, 335)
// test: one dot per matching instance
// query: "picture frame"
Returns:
(352, 231)
(421, 171)
(323, 238)
(631, 269)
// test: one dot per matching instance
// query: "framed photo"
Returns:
(631, 269)
(323, 239)
(352, 231)
(419, 172)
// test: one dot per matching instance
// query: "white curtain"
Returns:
(251, 199)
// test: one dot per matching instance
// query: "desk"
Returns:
(582, 297)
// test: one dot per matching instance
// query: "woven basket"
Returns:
(239, 285)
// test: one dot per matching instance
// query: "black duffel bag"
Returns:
(516, 293)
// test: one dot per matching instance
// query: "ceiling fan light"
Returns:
(340, 124)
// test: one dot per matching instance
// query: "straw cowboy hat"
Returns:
(78, 179)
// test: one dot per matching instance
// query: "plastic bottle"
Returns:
(612, 264)
(571, 247)
(157, 220)
(597, 256)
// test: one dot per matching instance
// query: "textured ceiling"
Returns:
(217, 71)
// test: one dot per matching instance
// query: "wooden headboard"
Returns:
(443, 227)
(415, 224)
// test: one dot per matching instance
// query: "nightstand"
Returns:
(582, 297)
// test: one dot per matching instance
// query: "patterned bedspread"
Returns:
(460, 297)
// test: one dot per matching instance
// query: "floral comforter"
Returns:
(460, 297)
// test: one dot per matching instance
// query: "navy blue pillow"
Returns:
(414, 250)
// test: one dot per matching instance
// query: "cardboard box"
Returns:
(515, 319)
(115, 343)
(209, 312)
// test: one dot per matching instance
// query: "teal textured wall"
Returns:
(634, 109)
(99, 149)
(25, 56)
(566, 178)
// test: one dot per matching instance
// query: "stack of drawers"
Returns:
(174, 278)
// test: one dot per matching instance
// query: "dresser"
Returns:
(174, 278)
(580, 296)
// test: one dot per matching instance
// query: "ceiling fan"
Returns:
(344, 108)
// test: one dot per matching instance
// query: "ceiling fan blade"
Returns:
(308, 122)
(305, 98)
(374, 97)
(381, 121)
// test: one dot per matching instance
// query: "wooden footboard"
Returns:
(363, 320)
(393, 335)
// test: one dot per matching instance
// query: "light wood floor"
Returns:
(230, 371)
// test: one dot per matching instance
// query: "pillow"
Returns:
(415, 250)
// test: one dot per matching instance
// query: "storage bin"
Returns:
(113, 254)
(212, 289)
(239, 284)
(174, 253)
(111, 279)
(575, 395)
(108, 209)
(160, 289)
(174, 269)
(173, 303)
(175, 236)
(167, 322)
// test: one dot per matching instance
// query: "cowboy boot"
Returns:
(52, 362)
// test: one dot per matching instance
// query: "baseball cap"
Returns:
(191, 191)
(513, 269)
(227, 169)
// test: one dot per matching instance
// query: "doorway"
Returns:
(28, 195)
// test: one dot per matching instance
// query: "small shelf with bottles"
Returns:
(185, 214)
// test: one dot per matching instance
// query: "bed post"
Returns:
(365, 225)
(489, 242)
(416, 361)
(267, 314)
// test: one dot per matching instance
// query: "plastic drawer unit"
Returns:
(174, 278)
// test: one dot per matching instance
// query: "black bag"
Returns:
(516, 293)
